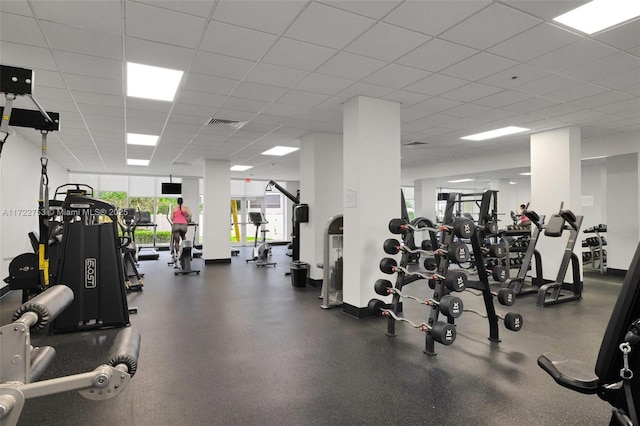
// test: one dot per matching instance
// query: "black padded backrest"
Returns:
(256, 218)
(145, 217)
(625, 312)
(554, 226)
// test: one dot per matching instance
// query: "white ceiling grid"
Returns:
(286, 66)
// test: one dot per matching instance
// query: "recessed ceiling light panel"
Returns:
(137, 162)
(148, 82)
(598, 15)
(491, 134)
(461, 180)
(280, 150)
(140, 139)
(239, 168)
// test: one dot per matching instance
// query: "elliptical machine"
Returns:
(181, 261)
(262, 252)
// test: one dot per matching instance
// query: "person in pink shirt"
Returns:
(180, 218)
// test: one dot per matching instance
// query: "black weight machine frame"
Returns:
(299, 214)
(551, 293)
(16, 82)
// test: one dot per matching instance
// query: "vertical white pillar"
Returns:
(425, 197)
(191, 198)
(217, 195)
(371, 193)
(320, 188)
(622, 210)
(556, 178)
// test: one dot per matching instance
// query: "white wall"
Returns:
(594, 193)
(19, 193)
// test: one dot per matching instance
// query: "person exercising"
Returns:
(523, 220)
(180, 218)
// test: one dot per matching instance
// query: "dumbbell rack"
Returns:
(598, 255)
(482, 284)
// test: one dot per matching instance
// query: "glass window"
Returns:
(117, 198)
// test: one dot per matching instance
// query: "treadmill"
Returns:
(197, 248)
(147, 252)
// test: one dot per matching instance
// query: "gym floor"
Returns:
(238, 345)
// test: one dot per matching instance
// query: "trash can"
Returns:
(299, 273)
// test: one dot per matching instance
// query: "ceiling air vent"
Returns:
(414, 144)
(227, 123)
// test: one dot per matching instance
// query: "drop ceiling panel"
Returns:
(103, 16)
(545, 9)
(298, 55)
(233, 115)
(478, 66)
(433, 17)
(539, 40)
(547, 84)
(164, 26)
(570, 56)
(471, 92)
(350, 66)
(602, 99)
(436, 84)
(188, 119)
(466, 110)
(20, 29)
(436, 55)
(274, 75)
(208, 100)
(191, 7)
(365, 89)
(236, 41)
(512, 22)
(396, 76)
(260, 92)
(523, 74)
(209, 84)
(269, 16)
(302, 98)
(84, 83)
(620, 80)
(386, 42)
(612, 64)
(101, 110)
(74, 63)
(49, 79)
(312, 24)
(371, 8)
(323, 84)
(246, 105)
(624, 37)
(25, 56)
(220, 65)
(578, 91)
(435, 104)
(157, 54)
(16, 7)
(81, 40)
(502, 99)
(98, 99)
(406, 98)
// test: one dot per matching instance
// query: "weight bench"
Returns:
(616, 378)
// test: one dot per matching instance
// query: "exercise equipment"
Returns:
(128, 219)
(90, 263)
(441, 332)
(16, 82)
(461, 228)
(332, 266)
(299, 214)
(616, 377)
(262, 252)
(456, 252)
(551, 293)
(22, 365)
(144, 221)
(182, 260)
(512, 320)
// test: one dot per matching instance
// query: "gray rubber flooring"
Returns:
(238, 345)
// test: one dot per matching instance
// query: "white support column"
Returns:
(425, 194)
(623, 193)
(191, 198)
(217, 193)
(371, 193)
(320, 188)
(556, 178)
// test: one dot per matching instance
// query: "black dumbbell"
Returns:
(441, 332)
(491, 228)
(430, 264)
(498, 273)
(506, 296)
(462, 227)
(450, 306)
(388, 265)
(512, 320)
(497, 250)
(391, 246)
(455, 281)
(383, 287)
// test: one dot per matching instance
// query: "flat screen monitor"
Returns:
(171, 188)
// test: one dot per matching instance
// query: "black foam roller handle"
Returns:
(125, 350)
(46, 305)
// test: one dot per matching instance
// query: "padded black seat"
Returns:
(606, 380)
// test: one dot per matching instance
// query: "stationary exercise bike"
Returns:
(262, 252)
(181, 261)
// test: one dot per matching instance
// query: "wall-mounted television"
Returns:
(171, 188)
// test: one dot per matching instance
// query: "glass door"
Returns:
(243, 232)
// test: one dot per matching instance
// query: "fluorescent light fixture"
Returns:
(134, 162)
(598, 15)
(145, 81)
(461, 180)
(595, 158)
(140, 139)
(280, 150)
(512, 182)
(495, 133)
(525, 174)
(239, 168)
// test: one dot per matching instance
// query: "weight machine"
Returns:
(299, 214)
